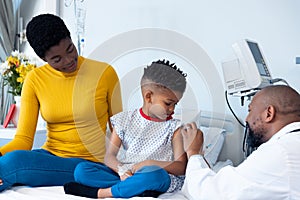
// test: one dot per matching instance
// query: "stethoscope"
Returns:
(296, 130)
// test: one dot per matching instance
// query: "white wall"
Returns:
(31, 8)
(196, 34)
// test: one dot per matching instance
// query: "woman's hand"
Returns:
(192, 139)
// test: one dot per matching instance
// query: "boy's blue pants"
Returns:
(100, 176)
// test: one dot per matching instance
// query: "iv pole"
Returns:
(80, 13)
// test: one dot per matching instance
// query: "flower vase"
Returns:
(15, 117)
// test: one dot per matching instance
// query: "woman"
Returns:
(76, 96)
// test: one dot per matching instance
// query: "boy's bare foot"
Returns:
(104, 193)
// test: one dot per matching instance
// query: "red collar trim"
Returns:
(154, 119)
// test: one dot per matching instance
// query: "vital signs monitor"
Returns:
(248, 72)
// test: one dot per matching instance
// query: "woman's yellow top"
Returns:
(76, 107)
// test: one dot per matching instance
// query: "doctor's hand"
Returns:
(192, 139)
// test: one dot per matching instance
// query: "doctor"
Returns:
(270, 172)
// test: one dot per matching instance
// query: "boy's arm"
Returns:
(112, 150)
(176, 167)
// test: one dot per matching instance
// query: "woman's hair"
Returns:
(45, 31)
(165, 74)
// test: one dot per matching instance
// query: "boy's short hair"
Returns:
(45, 31)
(165, 74)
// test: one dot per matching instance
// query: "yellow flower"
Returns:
(13, 61)
(14, 71)
(20, 79)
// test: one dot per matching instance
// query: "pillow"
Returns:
(213, 142)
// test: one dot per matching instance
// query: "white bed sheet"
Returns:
(57, 193)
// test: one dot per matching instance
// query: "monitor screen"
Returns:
(249, 71)
(259, 60)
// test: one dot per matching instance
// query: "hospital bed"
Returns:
(223, 140)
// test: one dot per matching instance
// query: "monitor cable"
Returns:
(275, 80)
(226, 97)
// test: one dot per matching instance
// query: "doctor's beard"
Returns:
(254, 139)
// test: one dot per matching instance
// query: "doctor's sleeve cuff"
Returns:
(197, 162)
(196, 173)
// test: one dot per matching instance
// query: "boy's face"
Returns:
(163, 102)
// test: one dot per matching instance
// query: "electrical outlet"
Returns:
(297, 60)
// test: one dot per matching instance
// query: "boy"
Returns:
(152, 160)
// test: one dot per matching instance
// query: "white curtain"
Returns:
(8, 41)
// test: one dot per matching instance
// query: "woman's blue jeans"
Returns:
(36, 168)
(100, 176)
